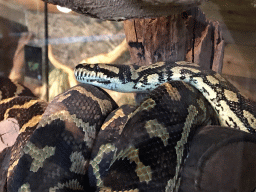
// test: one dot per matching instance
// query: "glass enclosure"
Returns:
(41, 44)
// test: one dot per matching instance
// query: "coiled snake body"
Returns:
(139, 148)
(233, 109)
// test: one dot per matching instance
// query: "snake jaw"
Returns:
(85, 73)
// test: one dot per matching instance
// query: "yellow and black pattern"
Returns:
(232, 107)
(76, 146)
(56, 156)
(9, 89)
(148, 153)
(27, 110)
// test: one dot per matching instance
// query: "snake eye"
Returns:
(96, 68)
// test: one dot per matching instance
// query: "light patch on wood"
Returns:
(24, 106)
(78, 163)
(65, 115)
(105, 105)
(104, 149)
(173, 92)
(250, 118)
(173, 184)
(212, 80)
(71, 184)
(25, 188)
(118, 113)
(31, 123)
(230, 95)
(155, 129)
(143, 172)
(38, 155)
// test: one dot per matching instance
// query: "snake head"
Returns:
(86, 73)
(106, 76)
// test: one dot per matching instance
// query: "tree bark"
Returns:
(187, 36)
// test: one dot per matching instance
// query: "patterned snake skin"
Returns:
(234, 110)
(83, 142)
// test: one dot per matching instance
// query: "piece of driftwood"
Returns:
(18, 70)
(187, 36)
(126, 9)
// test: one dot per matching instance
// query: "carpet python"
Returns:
(56, 155)
(18, 105)
(139, 148)
(64, 154)
(234, 110)
(147, 151)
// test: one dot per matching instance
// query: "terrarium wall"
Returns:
(238, 27)
(68, 34)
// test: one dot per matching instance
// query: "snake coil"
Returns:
(83, 141)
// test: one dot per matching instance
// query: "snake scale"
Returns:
(84, 142)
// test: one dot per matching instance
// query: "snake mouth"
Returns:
(99, 81)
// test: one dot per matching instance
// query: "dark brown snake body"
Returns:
(139, 148)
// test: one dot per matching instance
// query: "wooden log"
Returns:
(159, 39)
(187, 36)
(126, 9)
